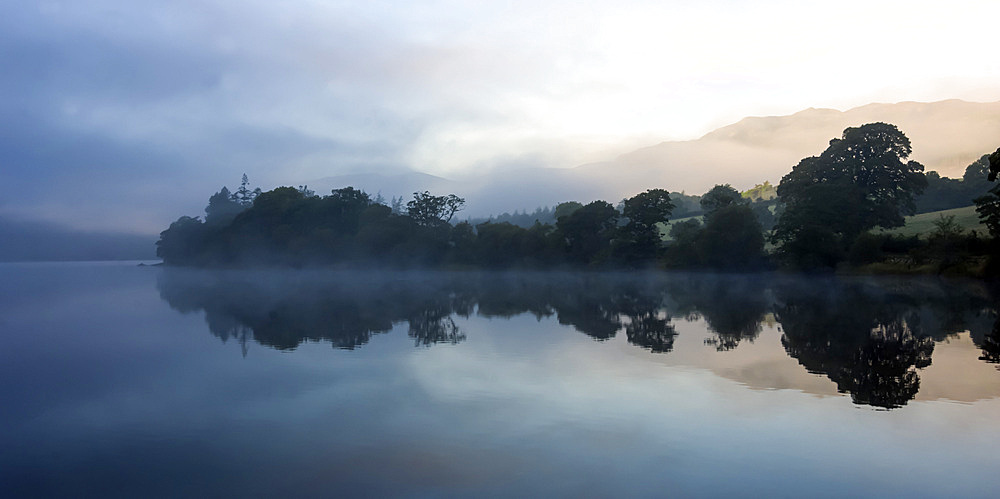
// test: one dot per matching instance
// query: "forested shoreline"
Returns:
(828, 214)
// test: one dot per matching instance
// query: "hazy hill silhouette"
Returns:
(947, 136)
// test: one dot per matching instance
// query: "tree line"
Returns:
(827, 212)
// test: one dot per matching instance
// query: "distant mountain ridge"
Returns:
(946, 137)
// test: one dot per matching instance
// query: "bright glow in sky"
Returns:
(121, 95)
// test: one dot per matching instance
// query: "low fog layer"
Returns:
(24, 241)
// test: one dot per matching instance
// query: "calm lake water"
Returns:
(118, 380)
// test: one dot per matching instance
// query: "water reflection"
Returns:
(732, 306)
(990, 344)
(870, 337)
(282, 310)
(646, 325)
(868, 347)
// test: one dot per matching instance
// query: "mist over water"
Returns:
(121, 380)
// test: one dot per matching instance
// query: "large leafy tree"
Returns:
(731, 238)
(567, 208)
(861, 181)
(587, 233)
(341, 210)
(271, 224)
(222, 208)
(645, 211)
(182, 242)
(870, 159)
(721, 196)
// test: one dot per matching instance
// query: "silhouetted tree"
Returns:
(182, 242)
(270, 229)
(988, 208)
(647, 209)
(721, 196)
(541, 247)
(543, 215)
(462, 244)
(343, 208)
(683, 249)
(222, 208)
(873, 159)
(731, 238)
(642, 240)
(566, 209)
(383, 234)
(686, 205)
(499, 244)
(588, 232)
(244, 196)
(426, 209)
(860, 181)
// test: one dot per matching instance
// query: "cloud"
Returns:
(138, 100)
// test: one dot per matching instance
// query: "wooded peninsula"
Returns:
(831, 212)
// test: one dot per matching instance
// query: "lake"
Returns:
(120, 380)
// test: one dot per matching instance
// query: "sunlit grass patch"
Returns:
(923, 224)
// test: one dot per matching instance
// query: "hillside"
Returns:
(923, 224)
(946, 136)
(918, 225)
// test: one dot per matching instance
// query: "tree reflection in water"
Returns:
(283, 310)
(433, 326)
(869, 337)
(990, 345)
(733, 306)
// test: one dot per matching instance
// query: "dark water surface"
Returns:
(118, 380)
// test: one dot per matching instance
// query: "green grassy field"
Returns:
(920, 225)
(923, 224)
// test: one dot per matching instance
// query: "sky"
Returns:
(125, 114)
